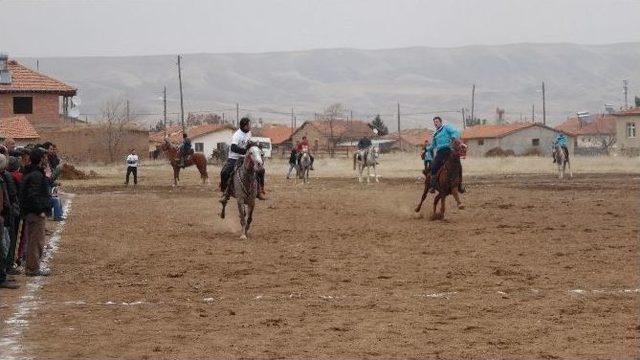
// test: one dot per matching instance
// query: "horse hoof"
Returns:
(243, 237)
(461, 206)
(416, 210)
(221, 215)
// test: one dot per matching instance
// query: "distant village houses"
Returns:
(593, 134)
(511, 139)
(627, 125)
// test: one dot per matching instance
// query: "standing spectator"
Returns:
(132, 167)
(293, 161)
(34, 197)
(10, 144)
(11, 215)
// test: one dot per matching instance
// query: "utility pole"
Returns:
(464, 121)
(399, 137)
(293, 121)
(533, 113)
(223, 120)
(237, 114)
(164, 111)
(351, 117)
(625, 89)
(37, 65)
(128, 115)
(181, 98)
(544, 106)
(473, 102)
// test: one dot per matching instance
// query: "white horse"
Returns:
(366, 158)
(304, 165)
(562, 161)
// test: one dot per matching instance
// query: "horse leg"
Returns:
(243, 222)
(224, 205)
(570, 172)
(360, 170)
(442, 207)
(456, 196)
(176, 173)
(424, 195)
(375, 173)
(249, 217)
(435, 206)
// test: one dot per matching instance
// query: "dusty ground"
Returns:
(533, 268)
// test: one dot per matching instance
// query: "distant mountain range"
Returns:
(424, 80)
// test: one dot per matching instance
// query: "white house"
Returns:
(205, 138)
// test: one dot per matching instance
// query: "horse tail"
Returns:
(201, 164)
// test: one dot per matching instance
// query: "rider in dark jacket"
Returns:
(185, 149)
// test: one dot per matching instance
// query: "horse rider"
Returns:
(364, 143)
(561, 140)
(293, 160)
(238, 149)
(300, 147)
(427, 156)
(185, 150)
(441, 143)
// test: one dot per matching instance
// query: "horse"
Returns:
(304, 165)
(366, 158)
(448, 181)
(197, 159)
(245, 187)
(562, 160)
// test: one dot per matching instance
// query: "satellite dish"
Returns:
(375, 131)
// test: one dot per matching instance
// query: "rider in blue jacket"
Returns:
(562, 141)
(442, 138)
(427, 156)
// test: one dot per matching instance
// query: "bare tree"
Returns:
(331, 114)
(116, 121)
(605, 138)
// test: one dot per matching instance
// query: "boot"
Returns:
(432, 184)
(461, 188)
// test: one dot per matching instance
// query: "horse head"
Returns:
(253, 157)
(459, 148)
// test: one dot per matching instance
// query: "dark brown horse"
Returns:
(197, 159)
(448, 181)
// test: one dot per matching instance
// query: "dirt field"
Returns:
(533, 268)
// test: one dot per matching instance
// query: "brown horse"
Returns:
(448, 181)
(197, 159)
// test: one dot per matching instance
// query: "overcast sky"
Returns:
(42, 28)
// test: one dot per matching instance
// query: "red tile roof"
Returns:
(602, 125)
(204, 129)
(629, 112)
(18, 127)
(277, 133)
(342, 129)
(171, 131)
(415, 137)
(493, 131)
(175, 132)
(24, 79)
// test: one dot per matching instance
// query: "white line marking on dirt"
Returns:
(11, 342)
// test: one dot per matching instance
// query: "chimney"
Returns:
(5, 75)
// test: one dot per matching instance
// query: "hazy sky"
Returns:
(139, 27)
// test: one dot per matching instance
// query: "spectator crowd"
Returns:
(28, 197)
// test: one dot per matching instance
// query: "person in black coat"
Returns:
(34, 198)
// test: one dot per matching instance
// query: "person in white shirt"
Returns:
(238, 149)
(132, 167)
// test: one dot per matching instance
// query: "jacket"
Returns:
(561, 140)
(34, 192)
(442, 137)
(427, 153)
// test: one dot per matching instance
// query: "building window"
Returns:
(23, 105)
(480, 142)
(199, 147)
(631, 130)
(535, 142)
